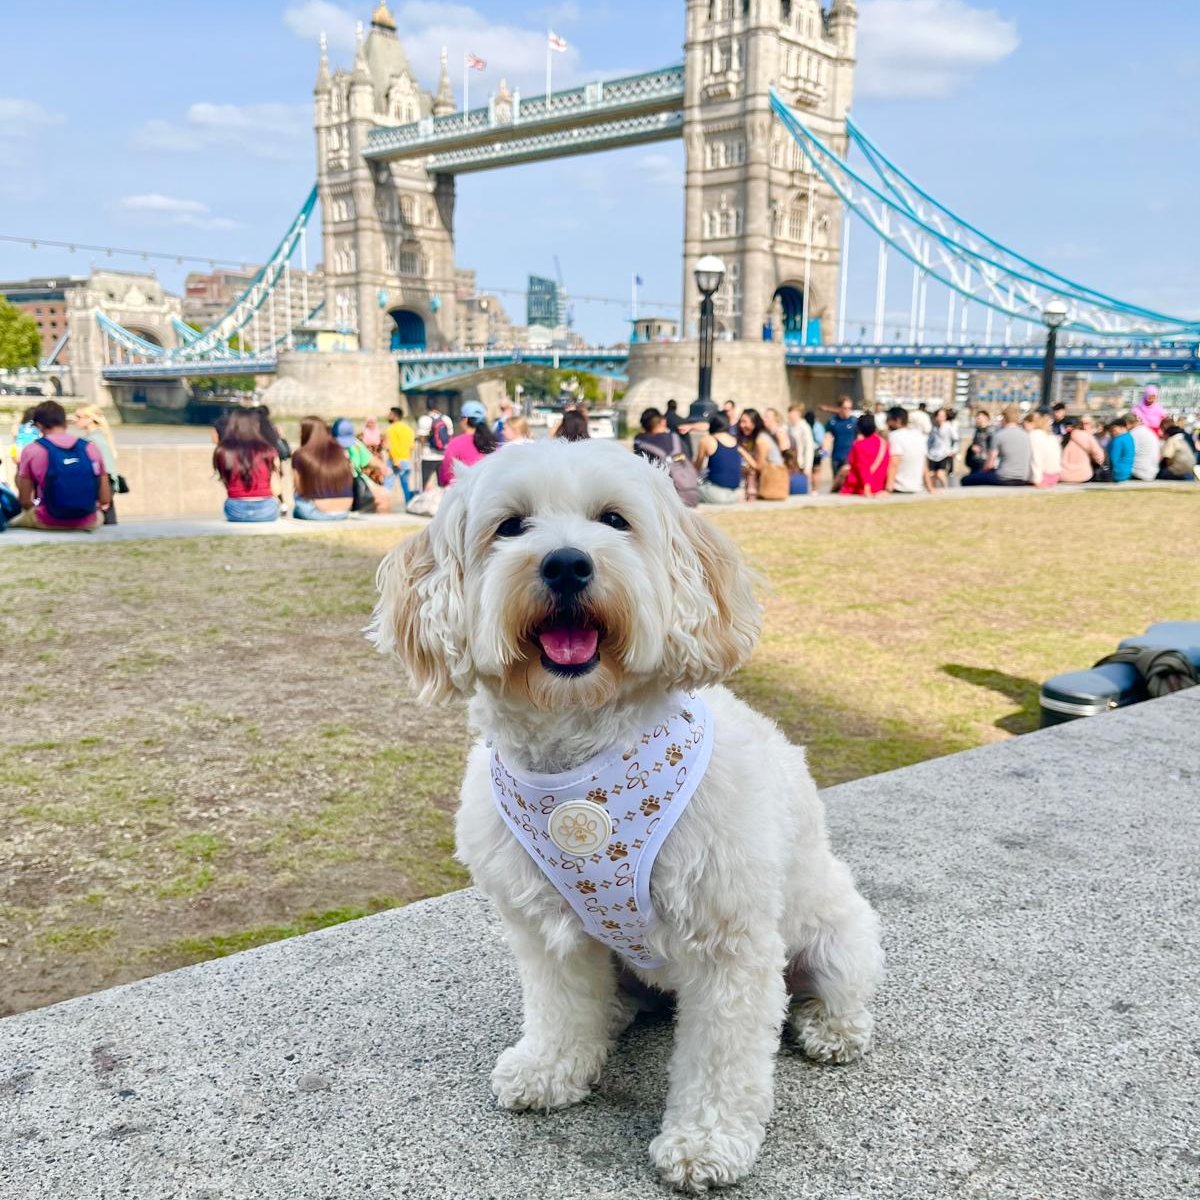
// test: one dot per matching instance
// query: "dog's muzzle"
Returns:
(567, 571)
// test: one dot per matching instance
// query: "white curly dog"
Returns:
(565, 589)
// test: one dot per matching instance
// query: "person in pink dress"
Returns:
(475, 439)
(1150, 412)
(866, 469)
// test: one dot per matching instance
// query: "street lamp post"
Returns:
(709, 273)
(1054, 316)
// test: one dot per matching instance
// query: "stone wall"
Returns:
(333, 385)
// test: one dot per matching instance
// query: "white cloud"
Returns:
(315, 17)
(925, 49)
(514, 53)
(273, 131)
(158, 209)
(22, 118)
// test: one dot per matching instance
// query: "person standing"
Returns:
(679, 427)
(908, 467)
(980, 448)
(475, 440)
(941, 447)
(840, 434)
(919, 419)
(1147, 449)
(1010, 463)
(93, 425)
(435, 437)
(61, 481)
(398, 441)
(802, 438)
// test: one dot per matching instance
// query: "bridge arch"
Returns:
(147, 335)
(790, 298)
(409, 329)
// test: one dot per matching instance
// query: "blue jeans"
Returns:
(306, 510)
(401, 472)
(266, 509)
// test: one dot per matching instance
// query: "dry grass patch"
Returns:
(201, 753)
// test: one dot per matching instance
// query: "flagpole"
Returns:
(466, 83)
(549, 59)
(634, 290)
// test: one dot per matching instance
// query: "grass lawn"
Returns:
(201, 754)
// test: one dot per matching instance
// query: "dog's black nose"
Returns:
(567, 571)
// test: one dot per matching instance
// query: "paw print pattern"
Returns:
(674, 754)
(586, 886)
(617, 850)
(611, 924)
(650, 805)
(598, 796)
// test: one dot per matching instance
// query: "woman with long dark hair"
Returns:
(760, 452)
(574, 426)
(475, 440)
(322, 474)
(246, 461)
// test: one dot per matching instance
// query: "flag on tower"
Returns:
(558, 43)
(476, 63)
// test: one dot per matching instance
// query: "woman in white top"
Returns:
(1045, 452)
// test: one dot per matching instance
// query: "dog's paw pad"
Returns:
(695, 1160)
(520, 1082)
(831, 1039)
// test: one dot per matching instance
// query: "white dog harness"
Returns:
(595, 831)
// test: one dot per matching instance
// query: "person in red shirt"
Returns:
(866, 469)
(476, 439)
(246, 462)
(51, 420)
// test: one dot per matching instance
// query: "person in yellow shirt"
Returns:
(399, 442)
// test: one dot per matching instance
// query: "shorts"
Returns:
(942, 464)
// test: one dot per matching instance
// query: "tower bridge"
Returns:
(780, 182)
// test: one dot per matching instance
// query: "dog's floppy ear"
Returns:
(420, 616)
(717, 619)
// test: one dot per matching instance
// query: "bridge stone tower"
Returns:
(388, 228)
(750, 195)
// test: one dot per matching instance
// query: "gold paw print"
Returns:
(618, 850)
(637, 946)
(611, 924)
(579, 830)
(674, 754)
(586, 886)
(650, 805)
(598, 796)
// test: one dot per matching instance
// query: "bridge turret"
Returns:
(843, 26)
(322, 86)
(443, 102)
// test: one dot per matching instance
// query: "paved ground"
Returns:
(1037, 1029)
(206, 527)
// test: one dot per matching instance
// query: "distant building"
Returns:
(910, 386)
(45, 300)
(480, 320)
(655, 329)
(544, 303)
(207, 296)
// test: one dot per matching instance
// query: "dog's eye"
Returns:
(511, 527)
(613, 520)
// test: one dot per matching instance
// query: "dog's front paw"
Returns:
(693, 1159)
(524, 1079)
(831, 1039)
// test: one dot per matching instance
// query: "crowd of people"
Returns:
(68, 476)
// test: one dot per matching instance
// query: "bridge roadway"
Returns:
(423, 370)
(629, 111)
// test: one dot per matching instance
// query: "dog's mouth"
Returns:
(570, 645)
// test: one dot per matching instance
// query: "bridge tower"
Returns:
(388, 228)
(750, 195)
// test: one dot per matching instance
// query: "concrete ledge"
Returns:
(1037, 1029)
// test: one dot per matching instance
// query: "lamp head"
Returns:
(1055, 314)
(709, 273)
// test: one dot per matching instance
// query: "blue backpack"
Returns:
(71, 489)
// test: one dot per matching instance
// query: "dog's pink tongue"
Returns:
(569, 647)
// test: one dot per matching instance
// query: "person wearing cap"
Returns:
(475, 439)
(365, 464)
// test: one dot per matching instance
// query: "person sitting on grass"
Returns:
(866, 469)
(720, 463)
(1178, 458)
(1045, 451)
(322, 475)
(1121, 450)
(246, 463)
(1010, 463)
(475, 439)
(368, 467)
(61, 481)
(1081, 453)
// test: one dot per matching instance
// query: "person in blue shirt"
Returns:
(840, 434)
(1120, 450)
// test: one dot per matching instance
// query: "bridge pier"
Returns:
(333, 384)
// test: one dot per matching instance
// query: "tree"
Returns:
(20, 341)
(544, 385)
(223, 383)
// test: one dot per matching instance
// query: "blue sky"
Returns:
(1066, 129)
